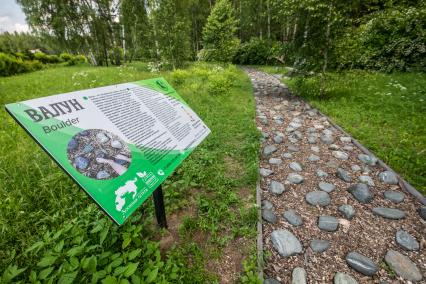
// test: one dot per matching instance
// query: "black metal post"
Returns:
(160, 211)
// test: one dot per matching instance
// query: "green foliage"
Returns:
(257, 52)
(65, 56)
(172, 33)
(219, 40)
(116, 56)
(72, 59)
(138, 33)
(383, 111)
(23, 42)
(218, 80)
(250, 274)
(11, 65)
(46, 58)
(393, 39)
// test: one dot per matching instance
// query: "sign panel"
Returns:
(119, 143)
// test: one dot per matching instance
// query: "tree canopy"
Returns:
(310, 34)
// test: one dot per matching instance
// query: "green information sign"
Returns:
(119, 143)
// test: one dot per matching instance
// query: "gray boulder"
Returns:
(320, 198)
(340, 155)
(347, 211)
(278, 139)
(266, 204)
(287, 155)
(265, 172)
(292, 217)
(388, 177)
(269, 216)
(343, 175)
(295, 166)
(285, 243)
(276, 187)
(369, 160)
(403, 266)
(327, 187)
(361, 263)
(313, 158)
(269, 150)
(328, 223)
(389, 213)
(327, 139)
(295, 178)
(275, 161)
(366, 179)
(319, 245)
(343, 278)
(407, 241)
(361, 192)
(394, 196)
(321, 173)
(298, 276)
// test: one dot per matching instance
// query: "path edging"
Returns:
(259, 231)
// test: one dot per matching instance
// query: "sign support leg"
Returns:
(160, 211)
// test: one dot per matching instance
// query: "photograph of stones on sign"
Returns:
(99, 154)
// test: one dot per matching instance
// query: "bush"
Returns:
(77, 59)
(223, 53)
(393, 39)
(46, 59)
(65, 56)
(10, 65)
(257, 52)
(179, 76)
(218, 84)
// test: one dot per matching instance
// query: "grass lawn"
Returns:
(51, 231)
(385, 112)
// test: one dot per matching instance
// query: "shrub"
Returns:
(218, 85)
(65, 56)
(256, 51)
(10, 65)
(179, 76)
(46, 59)
(393, 39)
(33, 65)
(77, 59)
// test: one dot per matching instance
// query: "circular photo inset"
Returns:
(99, 154)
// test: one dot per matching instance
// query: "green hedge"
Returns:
(10, 65)
(46, 58)
(72, 59)
(393, 39)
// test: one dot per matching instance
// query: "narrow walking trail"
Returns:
(331, 213)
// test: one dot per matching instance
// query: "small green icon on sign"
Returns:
(162, 85)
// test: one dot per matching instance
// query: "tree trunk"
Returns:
(295, 28)
(327, 41)
(269, 18)
(305, 34)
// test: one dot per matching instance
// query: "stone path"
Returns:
(330, 213)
